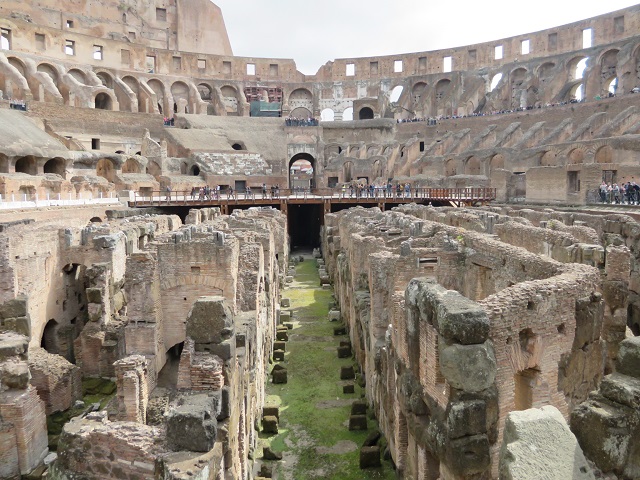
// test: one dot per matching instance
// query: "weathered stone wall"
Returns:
(548, 326)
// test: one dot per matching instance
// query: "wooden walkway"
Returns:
(438, 196)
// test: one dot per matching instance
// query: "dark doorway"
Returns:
(304, 225)
(366, 113)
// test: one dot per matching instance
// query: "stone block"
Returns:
(285, 302)
(603, 429)
(13, 344)
(341, 330)
(621, 389)
(282, 336)
(326, 287)
(269, 424)
(629, 357)
(347, 373)
(471, 368)
(372, 439)
(225, 404)
(20, 325)
(288, 325)
(278, 355)
(349, 388)
(269, 454)
(266, 471)
(545, 432)
(461, 320)
(271, 412)
(279, 376)
(192, 424)
(344, 352)
(357, 422)
(210, 320)
(16, 307)
(370, 457)
(324, 280)
(288, 279)
(466, 418)
(469, 456)
(15, 374)
(94, 295)
(334, 315)
(359, 407)
(279, 345)
(285, 316)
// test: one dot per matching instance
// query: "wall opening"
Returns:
(396, 93)
(347, 115)
(587, 38)
(50, 337)
(103, 102)
(5, 39)
(365, 113)
(27, 165)
(302, 171)
(304, 225)
(350, 69)
(327, 115)
(525, 382)
(494, 81)
(447, 64)
(55, 165)
(195, 170)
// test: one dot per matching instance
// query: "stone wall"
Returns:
(542, 331)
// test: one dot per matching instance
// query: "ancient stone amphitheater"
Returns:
(488, 315)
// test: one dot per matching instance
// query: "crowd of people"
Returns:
(18, 105)
(217, 192)
(301, 122)
(388, 190)
(169, 122)
(626, 193)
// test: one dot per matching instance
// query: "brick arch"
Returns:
(576, 156)
(177, 295)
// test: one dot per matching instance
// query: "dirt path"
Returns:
(314, 412)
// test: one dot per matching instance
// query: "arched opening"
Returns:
(49, 70)
(27, 165)
(194, 170)
(106, 169)
(154, 169)
(525, 383)
(548, 159)
(158, 88)
(327, 115)
(577, 93)
(577, 66)
(131, 166)
(105, 79)
(366, 113)
(168, 376)
(95, 220)
(443, 91)
(347, 115)
(497, 162)
(180, 94)
(78, 75)
(18, 65)
(49, 339)
(612, 86)
(301, 112)
(230, 99)
(473, 166)
(4, 164)
(205, 92)
(608, 71)
(576, 156)
(103, 102)
(301, 172)
(604, 154)
(450, 168)
(396, 93)
(55, 165)
(238, 146)
(546, 72)
(417, 91)
(494, 81)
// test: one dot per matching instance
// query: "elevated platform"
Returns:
(331, 199)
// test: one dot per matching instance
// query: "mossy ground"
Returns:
(94, 390)
(313, 410)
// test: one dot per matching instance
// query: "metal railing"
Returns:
(34, 200)
(466, 195)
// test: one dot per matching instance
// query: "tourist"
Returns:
(168, 192)
(603, 192)
(230, 192)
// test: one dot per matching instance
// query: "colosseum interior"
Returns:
(216, 267)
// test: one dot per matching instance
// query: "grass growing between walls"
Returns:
(314, 413)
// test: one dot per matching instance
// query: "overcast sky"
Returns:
(313, 32)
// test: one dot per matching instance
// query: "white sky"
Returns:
(313, 32)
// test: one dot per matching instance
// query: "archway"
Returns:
(497, 162)
(106, 169)
(347, 171)
(365, 113)
(495, 81)
(131, 166)
(105, 79)
(327, 115)
(301, 112)
(205, 92)
(347, 115)
(103, 102)
(450, 168)
(180, 94)
(4, 164)
(604, 154)
(395, 94)
(473, 166)
(302, 171)
(194, 170)
(154, 169)
(27, 165)
(49, 339)
(576, 156)
(230, 99)
(55, 165)
(78, 75)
